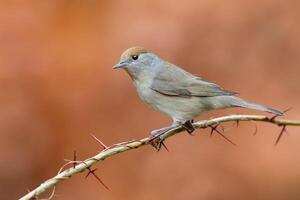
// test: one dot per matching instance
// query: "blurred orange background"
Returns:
(58, 86)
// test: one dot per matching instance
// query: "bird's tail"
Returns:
(244, 104)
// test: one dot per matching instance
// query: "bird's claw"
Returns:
(189, 127)
(156, 141)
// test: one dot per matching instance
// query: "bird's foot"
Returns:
(188, 126)
(156, 141)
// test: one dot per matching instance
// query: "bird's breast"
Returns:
(145, 92)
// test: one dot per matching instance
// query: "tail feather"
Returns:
(242, 103)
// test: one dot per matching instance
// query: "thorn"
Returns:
(237, 123)
(74, 159)
(158, 143)
(88, 168)
(164, 145)
(90, 171)
(211, 131)
(97, 177)
(99, 141)
(214, 128)
(255, 132)
(283, 130)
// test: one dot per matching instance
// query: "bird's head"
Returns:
(138, 62)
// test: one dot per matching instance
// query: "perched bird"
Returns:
(176, 92)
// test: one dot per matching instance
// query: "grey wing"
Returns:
(174, 81)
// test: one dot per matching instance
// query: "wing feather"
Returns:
(174, 81)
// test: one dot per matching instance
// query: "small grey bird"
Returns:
(176, 92)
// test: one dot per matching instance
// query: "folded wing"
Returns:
(174, 81)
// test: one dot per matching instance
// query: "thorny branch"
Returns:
(108, 151)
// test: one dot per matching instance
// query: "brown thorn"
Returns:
(88, 168)
(214, 128)
(280, 134)
(99, 141)
(158, 144)
(90, 171)
(237, 123)
(74, 159)
(97, 177)
(164, 145)
(255, 132)
(211, 131)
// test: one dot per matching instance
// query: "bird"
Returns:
(176, 92)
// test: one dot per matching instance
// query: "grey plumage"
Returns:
(183, 84)
(176, 92)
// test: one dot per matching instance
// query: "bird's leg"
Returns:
(189, 127)
(159, 132)
(156, 141)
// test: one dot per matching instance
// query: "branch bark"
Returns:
(126, 146)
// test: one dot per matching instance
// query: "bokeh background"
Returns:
(58, 86)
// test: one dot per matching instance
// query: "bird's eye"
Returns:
(135, 57)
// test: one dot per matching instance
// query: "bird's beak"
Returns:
(120, 65)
